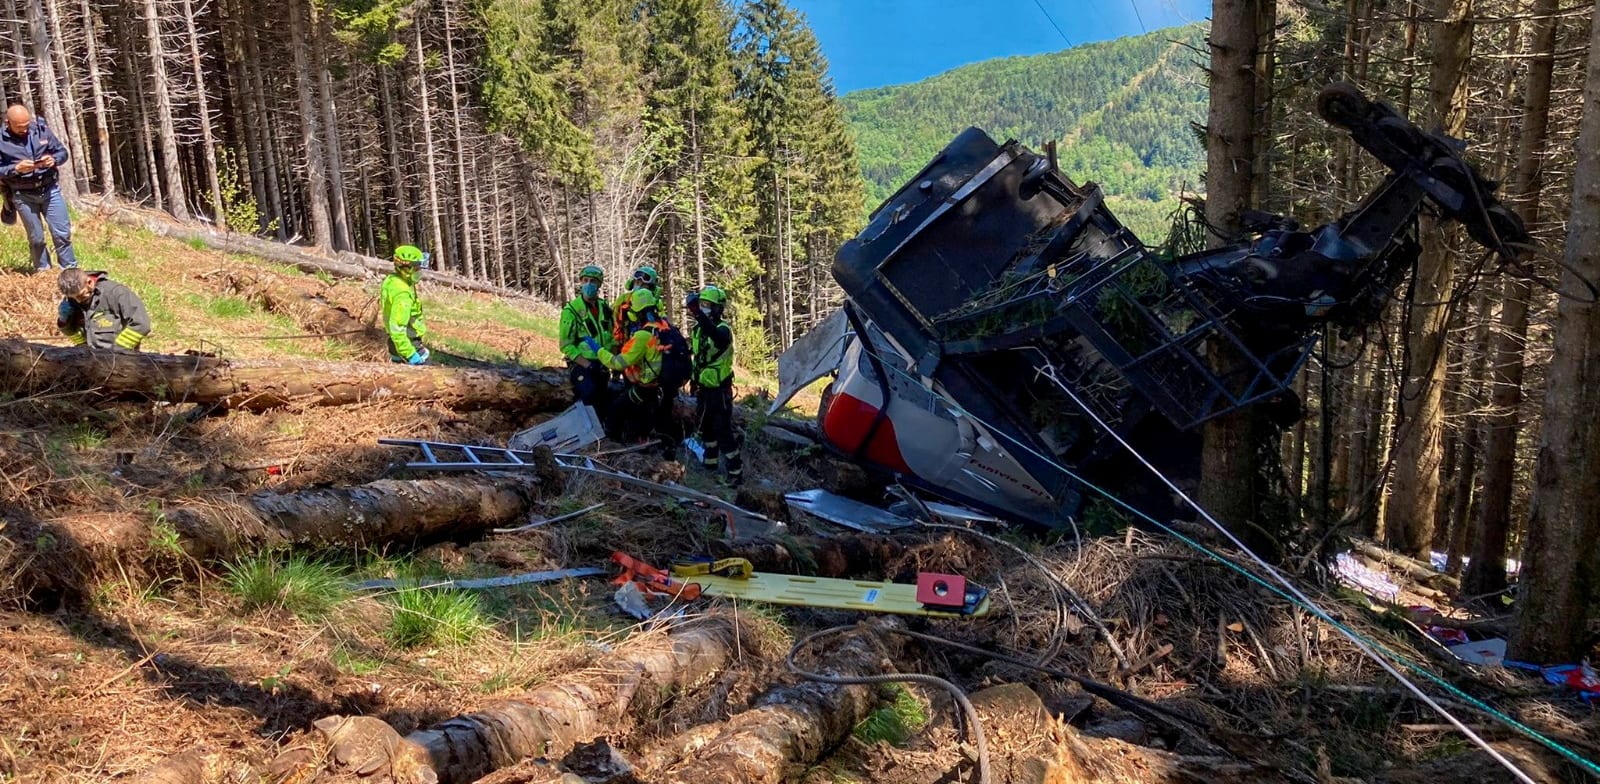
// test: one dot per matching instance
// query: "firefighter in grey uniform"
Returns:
(99, 312)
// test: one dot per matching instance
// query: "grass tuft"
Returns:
(893, 723)
(306, 587)
(430, 617)
(229, 308)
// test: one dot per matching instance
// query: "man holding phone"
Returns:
(30, 157)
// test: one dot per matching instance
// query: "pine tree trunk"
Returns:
(435, 231)
(207, 138)
(19, 58)
(1230, 462)
(102, 128)
(337, 210)
(1409, 518)
(400, 227)
(265, 135)
(171, 178)
(1486, 574)
(151, 170)
(463, 209)
(495, 210)
(77, 166)
(310, 131)
(49, 94)
(1559, 559)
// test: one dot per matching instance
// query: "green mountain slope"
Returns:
(1120, 109)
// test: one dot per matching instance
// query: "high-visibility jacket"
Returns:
(640, 357)
(581, 319)
(114, 316)
(402, 315)
(712, 348)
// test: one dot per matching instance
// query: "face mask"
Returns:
(706, 309)
(407, 274)
(590, 290)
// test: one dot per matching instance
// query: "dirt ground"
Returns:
(107, 670)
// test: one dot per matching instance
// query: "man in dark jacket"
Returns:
(30, 157)
(100, 312)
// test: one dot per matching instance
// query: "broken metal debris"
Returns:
(742, 523)
(557, 519)
(839, 510)
(525, 578)
(573, 429)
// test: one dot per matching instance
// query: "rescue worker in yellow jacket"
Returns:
(99, 312)
(403, 324)
(643, 278)
(588, 315)
(637, 412)
(711, 346)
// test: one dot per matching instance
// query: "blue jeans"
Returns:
(41, 207)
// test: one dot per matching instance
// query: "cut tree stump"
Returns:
(388, 511)
(253, 385)
(787, 728)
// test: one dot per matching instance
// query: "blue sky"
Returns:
(871, 43)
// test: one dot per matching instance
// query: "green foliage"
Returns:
(238, 204)
(306, 587)
(1121, 110)
(84, 436)
(353, 663)
(229, 307)
(530, 62)
(429, 617)
(894, 723)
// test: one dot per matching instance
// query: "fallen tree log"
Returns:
(546, 723)
(344, 264)
(312, 314)
(388, 511)
(253, 385)
(787, 728)
(1410, 567)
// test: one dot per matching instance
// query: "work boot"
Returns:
(8, 214)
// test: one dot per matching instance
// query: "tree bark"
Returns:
(271, 184)
(399, 227)
(435, 232)
(260, 386)
(312, 314)
(19, 57)
(203, 107)
(77, 166)
(49, 94)
(385, 512)
(172, 180)
(102, 125)
(788, 728)
(310, 131)
(469, 261)
(338, 212)
(1413, 503)
(1559, 557)
(1230, 457)
(1486, 574)
(546, 723)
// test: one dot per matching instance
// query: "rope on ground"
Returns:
(1059, 587)
(974, 727)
